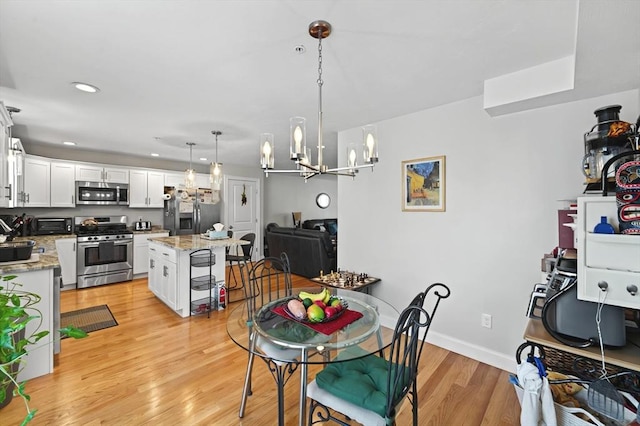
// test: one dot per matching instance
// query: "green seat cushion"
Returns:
(362, 382)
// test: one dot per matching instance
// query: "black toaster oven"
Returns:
(51, 225)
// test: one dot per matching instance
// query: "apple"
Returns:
(336, 304)
(330, 311)
(320, 303)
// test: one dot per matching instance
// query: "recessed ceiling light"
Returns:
(69, 143)
(203, 159)
(153, 154)
(85, 87)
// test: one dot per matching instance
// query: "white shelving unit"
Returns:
(607, 263)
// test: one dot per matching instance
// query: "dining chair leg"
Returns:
(414, 402)
(246, 390)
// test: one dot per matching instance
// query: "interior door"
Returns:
(242, 207)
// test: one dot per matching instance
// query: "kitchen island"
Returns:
(38, 275)
(170, 269)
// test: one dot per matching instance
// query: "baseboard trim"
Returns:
(479, 353)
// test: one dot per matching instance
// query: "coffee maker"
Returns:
(608, 138)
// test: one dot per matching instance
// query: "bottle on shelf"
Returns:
(603, 227)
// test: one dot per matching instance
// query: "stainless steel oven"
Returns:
(105, 251)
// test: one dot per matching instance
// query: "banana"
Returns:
(327, 296)
(324, 294)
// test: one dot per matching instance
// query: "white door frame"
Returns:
(257, 246)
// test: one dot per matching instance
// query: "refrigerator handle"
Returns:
(197, 218)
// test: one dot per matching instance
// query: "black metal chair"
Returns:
(370, 389)
(247, 252)
(268, 279)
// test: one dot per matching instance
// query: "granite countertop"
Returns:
(45, 248)
(196, 242)
(153, 230)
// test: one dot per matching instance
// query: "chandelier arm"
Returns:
(339, 169)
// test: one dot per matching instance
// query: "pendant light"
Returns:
(216, 168)
(190, 174)
(298, 151)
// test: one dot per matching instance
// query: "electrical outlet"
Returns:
(486, 320)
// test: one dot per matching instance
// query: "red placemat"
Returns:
(328, 327)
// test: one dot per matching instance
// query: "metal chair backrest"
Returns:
(247, 249)
(268, 279)
(406, 348)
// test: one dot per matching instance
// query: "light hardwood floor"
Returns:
(157, 368)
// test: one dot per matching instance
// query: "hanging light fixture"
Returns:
(190, 174)
(216, 168)
(298, 151)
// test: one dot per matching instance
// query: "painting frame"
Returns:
(424, 184)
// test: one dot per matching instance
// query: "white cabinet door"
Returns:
(174, 179)
(37, 182)
(138, 188)
(98, 173)
(155, 189)
(5, 124)
(66, 248)
(89, 173)
(203, 180)
(141, 251)
(62, 184)
(169, 283)
(155, 268)
(116, 175)
(146, 188)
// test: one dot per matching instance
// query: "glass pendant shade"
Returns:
(370, 140)
(216, 176)
(267, 154)
(298, 137)
(189, 178)
(190, 174)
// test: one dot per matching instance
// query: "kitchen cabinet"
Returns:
(37, 182)
(63, 184)
(146, 188)
(5, 137)
(177, 180)
(141, 251)
(163, 274)
(67, 256)
(99, 173)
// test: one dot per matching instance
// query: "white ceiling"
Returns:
(172, 71)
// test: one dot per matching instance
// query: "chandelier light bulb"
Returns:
(266, 149)
(297, 137)
(352, 158)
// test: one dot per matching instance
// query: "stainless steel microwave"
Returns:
(102, 193)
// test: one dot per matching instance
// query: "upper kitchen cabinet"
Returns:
(146, 188)
(37, 182)
(98, 173)
(62, 184)
(177, 180)
(5, 136)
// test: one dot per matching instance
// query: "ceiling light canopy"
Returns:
(216, 168)
(298, 151)
(85, 87)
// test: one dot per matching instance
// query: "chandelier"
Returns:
(298, 151)
(190, 174)
(215, 169)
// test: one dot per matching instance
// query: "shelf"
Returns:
(204, 305)
(202, 283)
(203, 260)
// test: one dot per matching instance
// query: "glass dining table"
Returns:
(370, 333)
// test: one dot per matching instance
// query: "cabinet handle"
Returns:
(8, 188)
(74, 246)
(28, 197)
(151, 264)
(165, 272)
(73, 199)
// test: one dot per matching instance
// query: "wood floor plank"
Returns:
(157, 368)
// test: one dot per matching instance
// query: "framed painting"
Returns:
(423, 184)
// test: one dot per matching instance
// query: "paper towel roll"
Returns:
(166, 197)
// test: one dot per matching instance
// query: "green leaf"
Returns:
(74, 332)
(29, 417)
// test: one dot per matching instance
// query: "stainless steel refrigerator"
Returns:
(190, 211)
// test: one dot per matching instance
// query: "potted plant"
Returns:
(17, 309)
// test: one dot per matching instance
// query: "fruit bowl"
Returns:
(337, 314)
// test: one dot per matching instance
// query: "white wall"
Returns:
(504, 179)
(284, 194)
